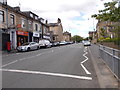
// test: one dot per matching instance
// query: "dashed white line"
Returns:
(47, 73)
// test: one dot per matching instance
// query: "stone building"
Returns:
(105, 29)
(67, 36)
(57, 30)
(20, 27)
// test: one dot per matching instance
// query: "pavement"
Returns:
(105, 76)
(71, 66)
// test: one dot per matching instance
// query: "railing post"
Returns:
(113, 52)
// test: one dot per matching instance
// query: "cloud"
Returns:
(75, 14)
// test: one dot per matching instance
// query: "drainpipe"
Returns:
(7, 16)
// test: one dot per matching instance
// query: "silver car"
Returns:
(28, 46)
(86, 43)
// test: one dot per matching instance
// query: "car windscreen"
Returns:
(25, 44)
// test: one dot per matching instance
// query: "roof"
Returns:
(53, 24)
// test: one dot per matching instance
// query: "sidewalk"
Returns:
(6, 52)
(105, 76)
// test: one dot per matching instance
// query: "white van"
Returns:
(44, 43)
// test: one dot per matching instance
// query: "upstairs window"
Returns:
(36, 27)
(36, 17)
(30, 24)
(1, 16)
(31, 15)
(12, 19)
(23, 23)
(40, 28)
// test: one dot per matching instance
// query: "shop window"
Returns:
(1, 16)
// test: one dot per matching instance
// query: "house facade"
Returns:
(21, 27)
(105, 29)
(57, 30)
(67, 36)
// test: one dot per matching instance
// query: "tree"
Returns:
(103, 32)
(111, 13)
(77, 38)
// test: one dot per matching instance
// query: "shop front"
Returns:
(36, 37)
(22, 37)
(46, 37)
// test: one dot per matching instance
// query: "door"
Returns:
(33, 46)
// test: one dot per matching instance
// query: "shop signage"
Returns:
(23, 33)
(19, 26)
(36, 34)
(46, 37)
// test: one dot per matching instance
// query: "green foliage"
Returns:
(110, 13)
(90, 38)
(103, 32)
(77, 38)
(108, 39)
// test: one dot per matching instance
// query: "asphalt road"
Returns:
(58, 67)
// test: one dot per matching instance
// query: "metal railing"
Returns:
(112, 58)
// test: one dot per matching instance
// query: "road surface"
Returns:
(67, 66)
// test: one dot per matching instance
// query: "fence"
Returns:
(112, 58)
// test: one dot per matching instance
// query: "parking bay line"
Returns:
(26, 58)
(47, 73)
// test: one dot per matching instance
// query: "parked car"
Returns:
(55, 44)
(86, 43)
(63, 43)
(28, 46)
(45, 43)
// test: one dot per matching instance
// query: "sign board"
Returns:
(46, 37)
(23, 33)
(36, 34)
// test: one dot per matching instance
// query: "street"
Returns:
(67, 66)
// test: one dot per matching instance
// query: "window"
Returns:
(30, 24)
(104, 27)
(36, 27)
(1, 16)
(40, 28)
(53, 38)
(12, 18)
(45, 30)
(23, 23)
(31, 15)
(36, 17)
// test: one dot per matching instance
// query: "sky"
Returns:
(75, 15)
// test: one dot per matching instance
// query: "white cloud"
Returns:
(74, 14)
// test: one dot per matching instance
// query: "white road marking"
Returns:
(26, 58)
(87, 72)
(85, 57)
(85, 69)
(47, 73)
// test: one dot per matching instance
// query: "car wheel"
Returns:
(28, 49)
(37, 47)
